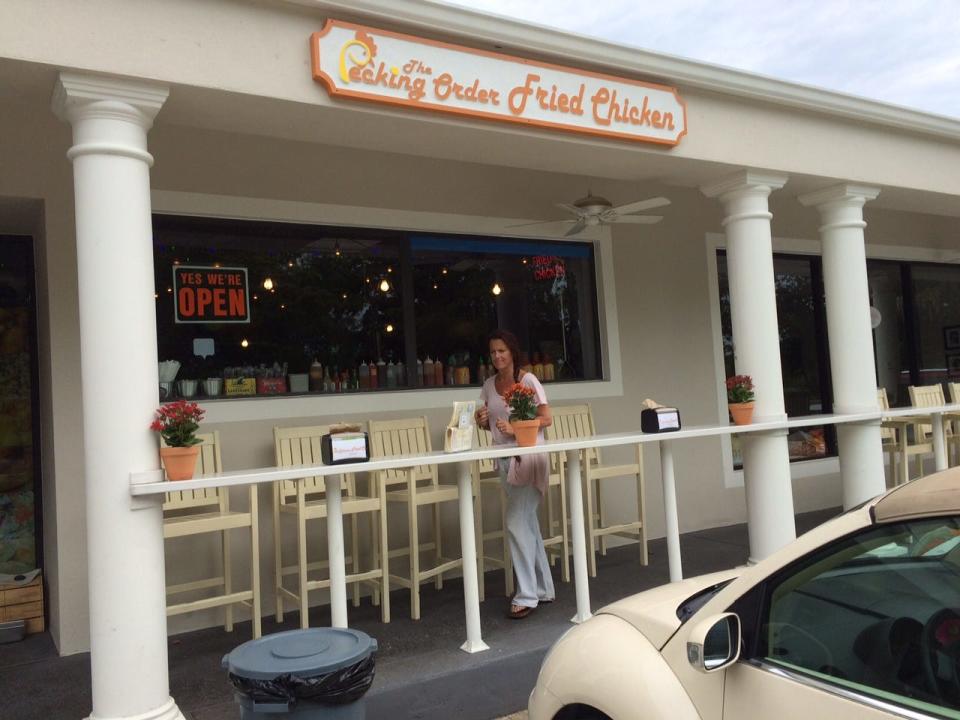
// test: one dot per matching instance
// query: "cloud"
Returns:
(905, 52)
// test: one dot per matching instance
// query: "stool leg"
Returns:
(277, 554)
(478, 532)
(227, 580)
(564, 531)
(355, 551)
(507, 560)
(384, 554)
(603, 517)
(376, 527)
(437, 545)
(412, 511)
(302, 561)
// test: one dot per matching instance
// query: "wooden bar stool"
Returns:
(576, 422)
(421, 487)
(198, 512)
(305, 499)
(486, 475)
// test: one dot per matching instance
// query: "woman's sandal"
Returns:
(517, 612)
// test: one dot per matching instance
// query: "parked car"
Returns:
(859, 618)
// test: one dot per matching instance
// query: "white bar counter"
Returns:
(147, 488)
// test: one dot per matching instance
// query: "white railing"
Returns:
(149, 487)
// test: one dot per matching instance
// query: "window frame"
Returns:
(280, 211)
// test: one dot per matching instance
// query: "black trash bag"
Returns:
(336, 688)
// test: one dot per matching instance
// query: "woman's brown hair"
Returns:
(513, 345)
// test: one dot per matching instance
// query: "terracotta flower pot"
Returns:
(526, 431)
(179, 462)
(742, 413)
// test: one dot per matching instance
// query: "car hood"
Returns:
(654, 612)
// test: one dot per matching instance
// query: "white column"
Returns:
(851, 336)
(753, 309)
(575, 502)
(118, 355)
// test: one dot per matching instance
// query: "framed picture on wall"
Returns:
(951, 338)
(953, 364)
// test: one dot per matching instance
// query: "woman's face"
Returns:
(500, 355)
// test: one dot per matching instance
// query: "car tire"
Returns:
(581, 712)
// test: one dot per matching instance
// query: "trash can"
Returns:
(315, 674)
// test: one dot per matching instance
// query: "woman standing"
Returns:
(524, 478)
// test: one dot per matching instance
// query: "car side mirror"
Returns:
(714, 643)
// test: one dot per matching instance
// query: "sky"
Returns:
(904, 52)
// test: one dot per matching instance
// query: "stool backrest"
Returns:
(408, 436)
(484, 440)
(208, 462)
(886, 433)
(954, 389)
(572, 422)
(926, 396)
(301, 446)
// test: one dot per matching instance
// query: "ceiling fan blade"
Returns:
(573, 209)
(637, 219)
(539, 222)
(577, 227)
(647, 204)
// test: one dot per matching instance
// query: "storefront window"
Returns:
(889, 334)
(936, 303)
(251, 308)
(803, 349)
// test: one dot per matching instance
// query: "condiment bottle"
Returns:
(438, 373)
(418, 378)
(549, 371)
(373, 376)
(316, 376)
(363, 376)
(382, 378)
(401, 375)
(391, 375)
(428, 376)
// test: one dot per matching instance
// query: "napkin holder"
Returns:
(660, 420)
(344, 447)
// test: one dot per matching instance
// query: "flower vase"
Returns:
(742, 413)
(179, 462)
(526, 431)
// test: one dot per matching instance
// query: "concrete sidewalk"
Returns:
(421, 673)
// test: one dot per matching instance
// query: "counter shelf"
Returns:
(148, 487)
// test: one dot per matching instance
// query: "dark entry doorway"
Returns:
(20, 546)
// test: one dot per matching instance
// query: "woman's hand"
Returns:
(483, 416)
(504, 427)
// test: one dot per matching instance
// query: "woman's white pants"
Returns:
(534, 581)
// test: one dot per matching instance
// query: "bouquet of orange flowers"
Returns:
(522, 401)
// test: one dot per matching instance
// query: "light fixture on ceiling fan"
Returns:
(594, 210)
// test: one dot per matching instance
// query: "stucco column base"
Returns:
(119, 380)
(851, 336)
(756, 342)
(167, 711)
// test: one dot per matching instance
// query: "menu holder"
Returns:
(459, 434)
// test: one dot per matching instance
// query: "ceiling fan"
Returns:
(593, 210)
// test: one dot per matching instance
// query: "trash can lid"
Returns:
(304, 653)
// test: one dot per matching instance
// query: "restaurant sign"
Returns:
(354, 61)
(205, 294)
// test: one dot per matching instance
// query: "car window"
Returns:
(877, 613)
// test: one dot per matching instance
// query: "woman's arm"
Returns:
(544, 415)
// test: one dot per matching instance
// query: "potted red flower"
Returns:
(522, 401)
(740, 398)
(177, 423)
